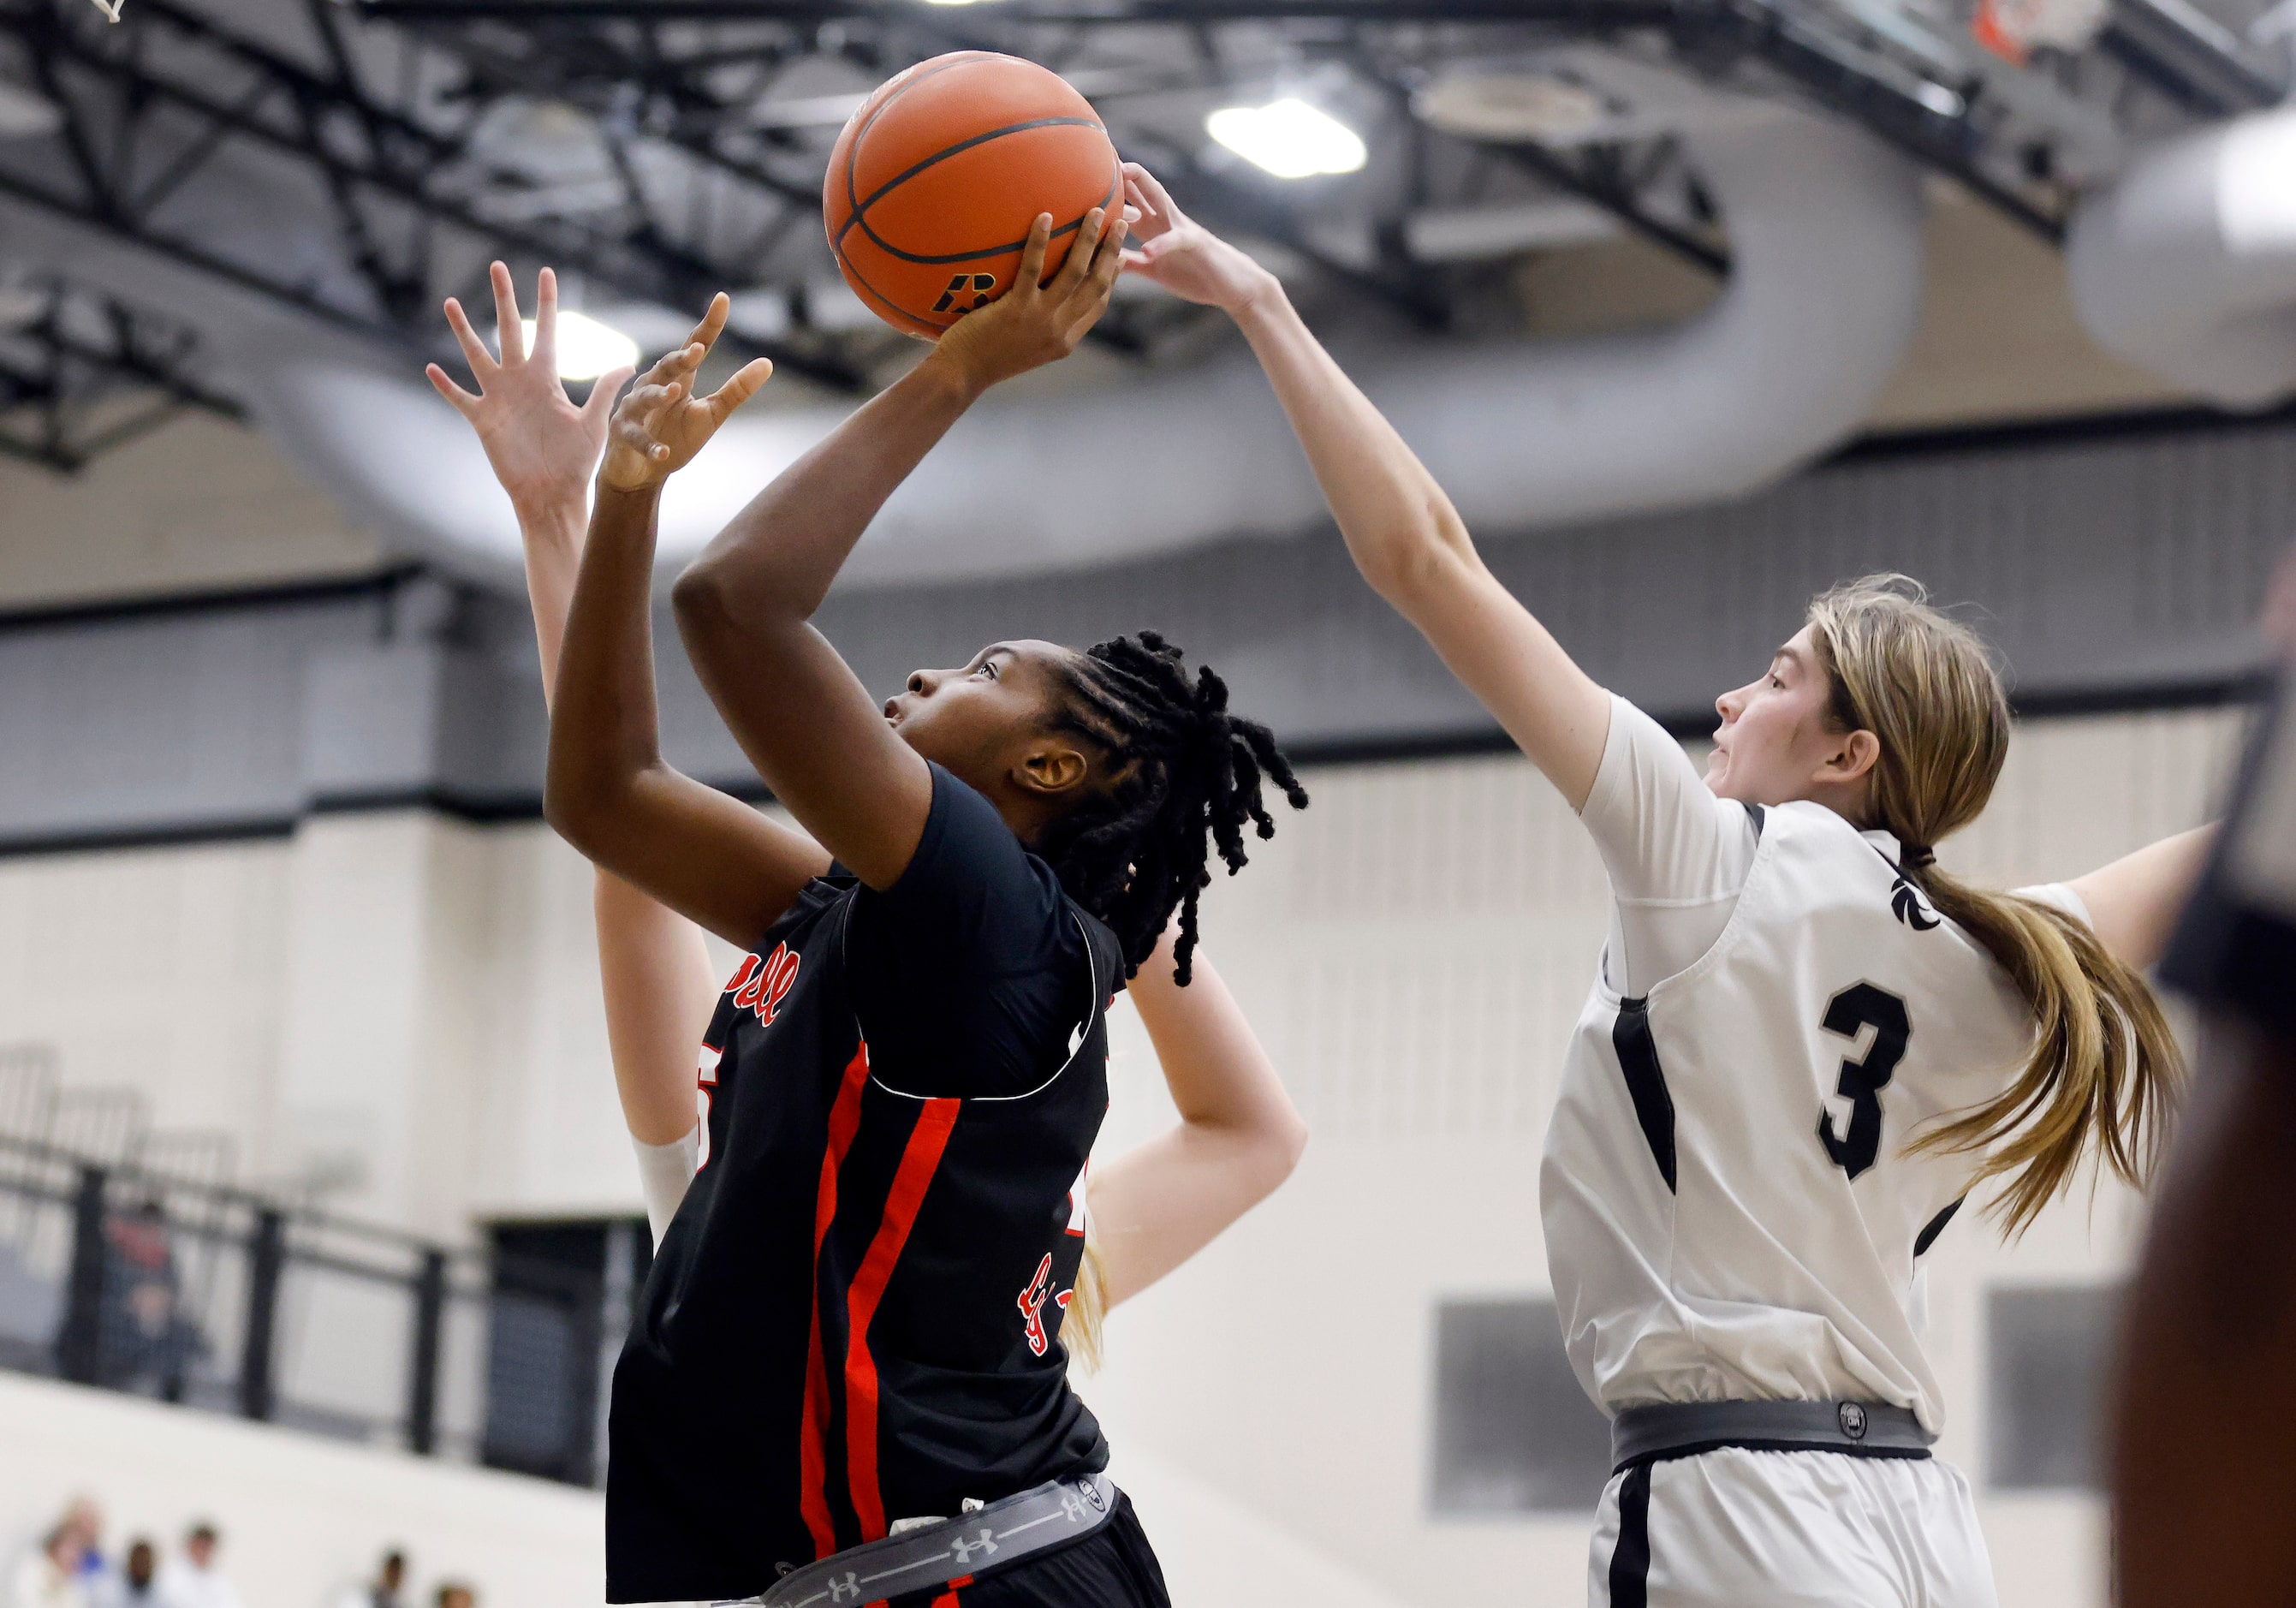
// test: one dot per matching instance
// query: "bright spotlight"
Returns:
(1289, 139)
(587, 348)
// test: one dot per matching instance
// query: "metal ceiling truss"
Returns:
(708, 146)
(146, 109)
(81, 373)
(1930, 93)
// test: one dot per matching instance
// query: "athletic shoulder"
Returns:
(1663, 835)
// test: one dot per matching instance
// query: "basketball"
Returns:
(933, 184)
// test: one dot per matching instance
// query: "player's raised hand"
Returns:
(661, 423)
(1039, 321)
(541, 446)
(1182, 255)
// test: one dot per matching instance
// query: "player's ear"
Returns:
(1855, 755)
(1050, 767)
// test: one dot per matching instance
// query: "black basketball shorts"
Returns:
(1113, 1567)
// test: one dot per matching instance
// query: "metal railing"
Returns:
(119, 1274)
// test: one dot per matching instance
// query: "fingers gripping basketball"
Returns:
(935, 181)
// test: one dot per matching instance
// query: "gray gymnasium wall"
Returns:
(2113, 570)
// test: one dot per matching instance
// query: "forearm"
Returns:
(1238, 1137)
(1412, 548)
(603, 730)
(551, 536)
(1399, 523)
(654, 970)
(2134, 903)
(775, 562)
(1218, 1072)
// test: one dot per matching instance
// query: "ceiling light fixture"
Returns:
(1289, 139)
(587, 348)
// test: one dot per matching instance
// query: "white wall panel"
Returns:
(1413, 949)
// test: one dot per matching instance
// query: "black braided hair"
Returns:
(1186, 777)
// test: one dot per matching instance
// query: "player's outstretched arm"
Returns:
(1238, 1137)
(810, 727)
(609, 792)
(1401, 530)
(652, 964)
(2134, 902)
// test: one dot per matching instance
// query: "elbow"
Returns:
(697, 598)
(568, 813)
(1413, 562)
(575, 801)
(1276, 1154)
(1291, 1144)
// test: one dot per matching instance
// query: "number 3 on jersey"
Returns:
(1854, 1144)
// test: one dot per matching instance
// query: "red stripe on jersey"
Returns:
(947, 1599)
(919, 1161)
(812, 1455)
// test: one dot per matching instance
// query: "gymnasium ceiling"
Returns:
(659, 150)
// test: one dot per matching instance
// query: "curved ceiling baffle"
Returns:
(1823, 295)
(2186, 264)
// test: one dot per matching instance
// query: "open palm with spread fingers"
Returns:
(542, 446)
(1182, 255)
(661, 423)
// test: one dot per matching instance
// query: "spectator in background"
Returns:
(56, 1575)
(148, 1342)
(193, 1580)
(382, 1591)
(454, 1594)
(134, 1586)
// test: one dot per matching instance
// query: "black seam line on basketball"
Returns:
(853, 201)
(983, 254)
(892, 307)
(1911, 1454)
(882, 244)
(962, 146)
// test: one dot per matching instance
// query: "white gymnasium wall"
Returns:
(301, 1519)
(412, 1002)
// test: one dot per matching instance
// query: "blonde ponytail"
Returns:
(1080, 1323)
(2104, 1069)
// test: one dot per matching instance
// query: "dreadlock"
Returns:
(1185, 777)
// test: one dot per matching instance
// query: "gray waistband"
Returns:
(923, 1559)
(1639, 1433)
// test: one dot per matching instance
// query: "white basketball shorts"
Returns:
(1739, 1528)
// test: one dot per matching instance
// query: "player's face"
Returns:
(975, 721)
(1775, 740)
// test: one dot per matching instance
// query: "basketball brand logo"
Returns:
(960, 285)
(759, 985)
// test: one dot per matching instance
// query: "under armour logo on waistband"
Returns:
(964, 1551)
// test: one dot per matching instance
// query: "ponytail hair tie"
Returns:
(1913, 857)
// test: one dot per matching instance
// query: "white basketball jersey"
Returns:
(1730, 1211)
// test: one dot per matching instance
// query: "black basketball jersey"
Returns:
(855, 1316)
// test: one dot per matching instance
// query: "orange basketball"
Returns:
(936, 179)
